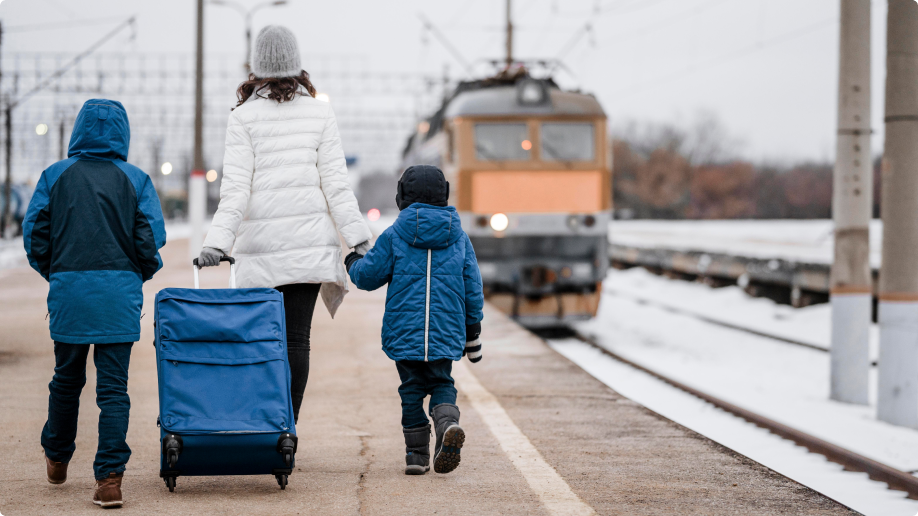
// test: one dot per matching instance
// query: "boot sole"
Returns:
(105, 505)
(448, 457)
(416, 470)
(56, 482)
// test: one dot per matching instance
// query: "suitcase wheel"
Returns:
(172, 447)
(170, 483)
(281, 481)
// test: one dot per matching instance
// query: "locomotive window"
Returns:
(565, 141)
(498, 142)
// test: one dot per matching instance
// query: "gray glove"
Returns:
(209, 257)
(362, 248)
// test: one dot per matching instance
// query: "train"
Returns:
(530, 174)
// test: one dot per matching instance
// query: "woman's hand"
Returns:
(362, 248)
(209, 257)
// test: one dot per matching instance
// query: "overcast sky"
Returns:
(767, 68)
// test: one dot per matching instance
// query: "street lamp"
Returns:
(247, 14)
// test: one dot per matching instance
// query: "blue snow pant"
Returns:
(420, 379)
(59, 434)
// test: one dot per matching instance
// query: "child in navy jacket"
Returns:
(433, 311)
(93, 230)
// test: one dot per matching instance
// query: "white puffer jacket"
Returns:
(284, 191)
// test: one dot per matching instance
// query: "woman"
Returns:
(284, 192)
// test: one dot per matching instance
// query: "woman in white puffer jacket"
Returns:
(284, 193)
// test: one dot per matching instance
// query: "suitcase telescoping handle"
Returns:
(230, 259)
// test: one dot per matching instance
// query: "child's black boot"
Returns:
(450, 437)
(417, 450)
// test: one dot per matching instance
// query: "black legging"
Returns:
(299, 304)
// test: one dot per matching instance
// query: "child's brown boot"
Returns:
(57, 471)
(108, 491)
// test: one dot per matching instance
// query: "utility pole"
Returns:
(155, 171)
(6, 218)
(61, 145)
(509, 35)
(852, 203)
(197, 195)
(898, 368)
(8, 151)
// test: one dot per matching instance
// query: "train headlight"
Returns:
(573, 222)
(499, 222)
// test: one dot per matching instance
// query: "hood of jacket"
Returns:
(101, 131)
(428, 227)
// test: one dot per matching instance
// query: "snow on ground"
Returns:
(730, 305)
(785, 382)
(808, 241)
(855, 490)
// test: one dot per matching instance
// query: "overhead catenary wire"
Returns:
(67, 67)
(446, 43)
(72, 24)
(666, 22)
(722, 58)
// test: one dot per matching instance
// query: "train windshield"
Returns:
(499, 142)
(567, 141)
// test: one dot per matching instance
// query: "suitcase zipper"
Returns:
(427, 308)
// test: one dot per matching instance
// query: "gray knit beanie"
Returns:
(276, 53)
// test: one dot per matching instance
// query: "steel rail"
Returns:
(851, 461)
(717, 322)
(711, 320)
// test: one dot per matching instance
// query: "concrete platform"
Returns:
(584, 447)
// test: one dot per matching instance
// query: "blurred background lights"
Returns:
(499, 222)
(424, 126)
(323, 97)
(41, 129)
(526, 145)
(373, 215)
(211, 176)
(166, 169)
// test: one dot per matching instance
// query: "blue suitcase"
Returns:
(224, 382)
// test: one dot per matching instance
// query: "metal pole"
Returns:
(155, 171)
(61, 147)
(248, 44)
(8, 190)
(509, 35)
(6, 216)
(898, 368)
(196, 187)
(852, 203)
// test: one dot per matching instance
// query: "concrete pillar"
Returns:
(898, 367)
(852, 292)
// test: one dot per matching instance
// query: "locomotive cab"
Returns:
(531, 179)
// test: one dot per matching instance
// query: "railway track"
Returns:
(723, 324)
(716, 322)
(894, 478)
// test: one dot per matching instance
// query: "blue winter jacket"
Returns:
(93, 230)
(434, 283)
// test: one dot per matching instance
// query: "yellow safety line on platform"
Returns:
(544, 481)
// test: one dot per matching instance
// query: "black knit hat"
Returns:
(422, 183)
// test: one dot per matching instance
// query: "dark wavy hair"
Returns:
(280, 89)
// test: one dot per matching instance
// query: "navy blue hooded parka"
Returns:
(93, 230)
(434, 283)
